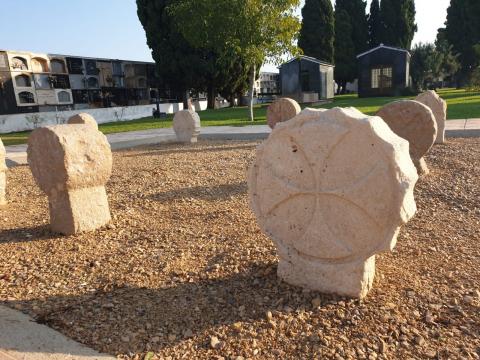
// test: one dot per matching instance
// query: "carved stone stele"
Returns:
(83, 118)
(71, 164)
(414, 122)
(281, 110)
(186, 124)
(331, 192)
(439, 109)
(3, 175)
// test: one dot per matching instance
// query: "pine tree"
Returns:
(345, 59)
(317, 34)
(398, 17)
(375, 24)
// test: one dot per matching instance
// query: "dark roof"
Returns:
(381, 46)
(308, 58)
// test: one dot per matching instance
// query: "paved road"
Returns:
(16, 154)
(23, 339)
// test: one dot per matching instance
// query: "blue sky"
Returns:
(111, 29)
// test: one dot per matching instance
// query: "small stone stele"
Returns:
(439, 109)
(282, 110)
(71, 164)
(3, 175)
(83, 118)
(414, 122)
(332, 192)
(186, 124)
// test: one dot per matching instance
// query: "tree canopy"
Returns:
(462, 31)
(252, 29)
(317, 33)
(179, 65)
(399, 27)
(375, 25)
(345, 59)
(356, 10)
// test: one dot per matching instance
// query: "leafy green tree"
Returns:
(463, 32)
(317, 34)
(450, 63)
(398, 17)
(375, 24)
(345, 59)
(425, 65)
(253, 29)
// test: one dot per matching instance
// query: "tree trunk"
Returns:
(211, 97)
(253, 73)
(185, 96)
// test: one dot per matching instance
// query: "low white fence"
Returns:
(29, 121)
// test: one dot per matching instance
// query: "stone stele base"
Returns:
(351, 279)
(3, 185)
(79, 210)
(421, 166)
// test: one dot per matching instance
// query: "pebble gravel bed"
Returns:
(183, 271)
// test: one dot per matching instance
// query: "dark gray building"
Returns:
(383, 71)
(307, 79)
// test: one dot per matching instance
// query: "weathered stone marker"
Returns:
(71, 164)
(186, 124)
(282, 110)
(414, 122)
(439, 109)
(3, 175)
(83, 118)
(332, 192)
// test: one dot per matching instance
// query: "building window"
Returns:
(19, 63)
(63, 97)
(382, 78)
(23, 81)
(39, 65)
(26, 97)
(57, 66)
(42, 81)
(92, 82)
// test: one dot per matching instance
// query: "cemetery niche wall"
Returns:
(383, 71)
(31, 82)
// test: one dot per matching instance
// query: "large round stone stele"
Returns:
(439, 109)
(83, 118)
(334, 189)
(412, 121)
(282, 110)
(186, 124)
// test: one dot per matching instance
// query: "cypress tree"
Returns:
(316, 37)
(345, 58)
(356, 10)
(375, 25)
(398, 17)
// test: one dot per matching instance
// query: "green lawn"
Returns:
(462, 104)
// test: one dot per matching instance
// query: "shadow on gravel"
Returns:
(18, 235)
(217, 192)
(127, 319)
(156, 151)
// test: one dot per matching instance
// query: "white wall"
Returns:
(29, 121)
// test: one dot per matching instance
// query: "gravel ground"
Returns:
(183, 272)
